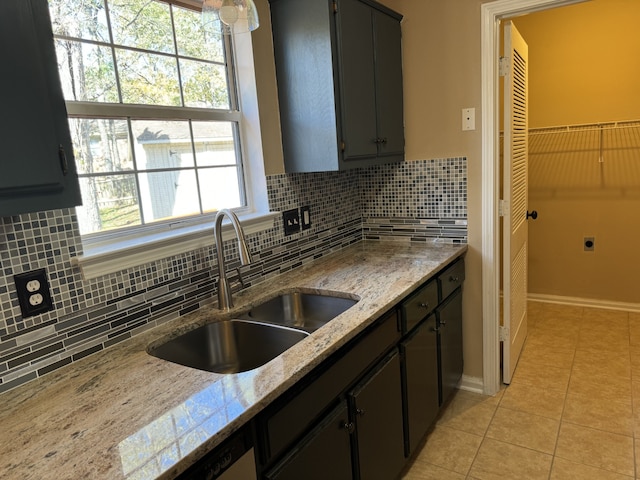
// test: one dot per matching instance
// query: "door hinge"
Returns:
(503, 66)
(343, 146)
(335, 7)
(503, 333)
(503, 208)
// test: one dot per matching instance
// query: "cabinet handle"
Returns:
(384, 141)
(360, 411)
(454, 278)
(350, 427)
(424, 305)
(63, 160)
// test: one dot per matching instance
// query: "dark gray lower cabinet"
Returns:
(376, 407)
(450, 337)
(420, 386)
(364, 410)
(325, 453)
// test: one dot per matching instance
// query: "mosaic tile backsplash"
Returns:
(411, 201)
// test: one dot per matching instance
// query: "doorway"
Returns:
(491, 15)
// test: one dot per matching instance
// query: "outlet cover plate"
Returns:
(33, 291)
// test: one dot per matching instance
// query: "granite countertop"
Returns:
(123, 414)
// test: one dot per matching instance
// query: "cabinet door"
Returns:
(325, 453)
(377, 406)
(450, 342)
(388, 74)
(357, 79)
(33, 125)
(420, 382)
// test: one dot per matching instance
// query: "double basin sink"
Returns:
(263, 333)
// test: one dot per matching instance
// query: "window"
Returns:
(153, 110)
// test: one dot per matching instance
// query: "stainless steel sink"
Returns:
(305, 311)
(229, 346)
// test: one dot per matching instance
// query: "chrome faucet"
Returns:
(225, 302)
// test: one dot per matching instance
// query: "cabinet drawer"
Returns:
(419, 305)
(297, 415)
(451, 279)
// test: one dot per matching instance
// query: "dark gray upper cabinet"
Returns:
(38, 171)
(339, 69)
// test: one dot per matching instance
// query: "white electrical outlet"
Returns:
(33, 292)
(36, 299)
(33, 286)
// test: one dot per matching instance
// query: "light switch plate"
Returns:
(291, 220)
(305, 217)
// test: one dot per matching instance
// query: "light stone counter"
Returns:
(123, 414)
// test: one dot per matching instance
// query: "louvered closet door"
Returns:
(515, 230)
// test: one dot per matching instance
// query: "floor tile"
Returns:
(450, 449)
(602, 363)
(469, 412)
(427, 471)
(524, 429)
(609, 317)
(566, 470)
(549, 356)
(542, 376)
(498, 461)
(546, 339)
(534, 400)
(608, 451)
(601, 414)
(634, 328)
(604, 387)
(559, 327)
(572, 410)
(563, 312)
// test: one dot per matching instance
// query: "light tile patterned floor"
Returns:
(572, 411)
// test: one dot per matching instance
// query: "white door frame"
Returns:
(491, 14)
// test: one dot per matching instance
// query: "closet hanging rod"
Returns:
(588, 127)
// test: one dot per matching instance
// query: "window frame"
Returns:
(117, 249)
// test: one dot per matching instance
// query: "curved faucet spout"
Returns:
(225, 301)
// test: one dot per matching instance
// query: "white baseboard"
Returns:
(471, 384)
(584, 302)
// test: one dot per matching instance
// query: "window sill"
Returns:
(121, 255)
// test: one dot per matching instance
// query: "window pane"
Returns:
(86, 19)
(168, 194)
(219, 188)
(141, 24)
(148, 79)
(190, 36)
(108, 202)
(162, 144)
(204, 85)
(101, 145)
(86, 72)
(215, 145)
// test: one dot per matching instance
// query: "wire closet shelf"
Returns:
(596, 141)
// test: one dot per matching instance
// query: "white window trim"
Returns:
(120, 255)
(114, 254)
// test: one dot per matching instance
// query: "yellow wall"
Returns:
(584, 68)
(584, 63)
(441, 68)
